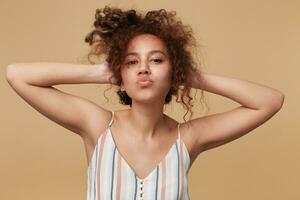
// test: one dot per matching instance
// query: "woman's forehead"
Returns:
(146, 41)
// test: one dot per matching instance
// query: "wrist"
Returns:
(98, 74)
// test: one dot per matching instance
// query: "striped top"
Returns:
(110, 177)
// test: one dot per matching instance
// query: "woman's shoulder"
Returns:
(98, 125)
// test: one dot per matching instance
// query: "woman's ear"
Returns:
(122, 87)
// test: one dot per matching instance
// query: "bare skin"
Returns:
(150, 154)
(154, 136)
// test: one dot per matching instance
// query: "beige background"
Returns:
(253, 40)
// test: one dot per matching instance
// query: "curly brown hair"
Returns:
(113, 30)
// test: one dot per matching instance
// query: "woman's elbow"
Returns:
(10, 72)
(278, 100)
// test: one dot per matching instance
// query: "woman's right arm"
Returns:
(34, 83)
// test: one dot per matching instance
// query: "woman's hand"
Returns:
(106, 69)
(193, 78)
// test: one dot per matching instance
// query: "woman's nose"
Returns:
(144, 68)
(144, 71)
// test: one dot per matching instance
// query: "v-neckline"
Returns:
(129, 166)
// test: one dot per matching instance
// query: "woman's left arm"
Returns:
(258, 104)
(251, 95)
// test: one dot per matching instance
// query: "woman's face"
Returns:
(146, 58)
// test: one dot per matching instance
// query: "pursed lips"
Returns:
(144, 80)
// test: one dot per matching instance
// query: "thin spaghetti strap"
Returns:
(178, 130)
(112, 118)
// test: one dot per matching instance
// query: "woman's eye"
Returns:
(131, 62)
(134, 61)
(159, 60)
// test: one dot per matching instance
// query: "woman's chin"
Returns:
(146, 99)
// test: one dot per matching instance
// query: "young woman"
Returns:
(141, 153)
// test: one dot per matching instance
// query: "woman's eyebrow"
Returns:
(150, 52)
